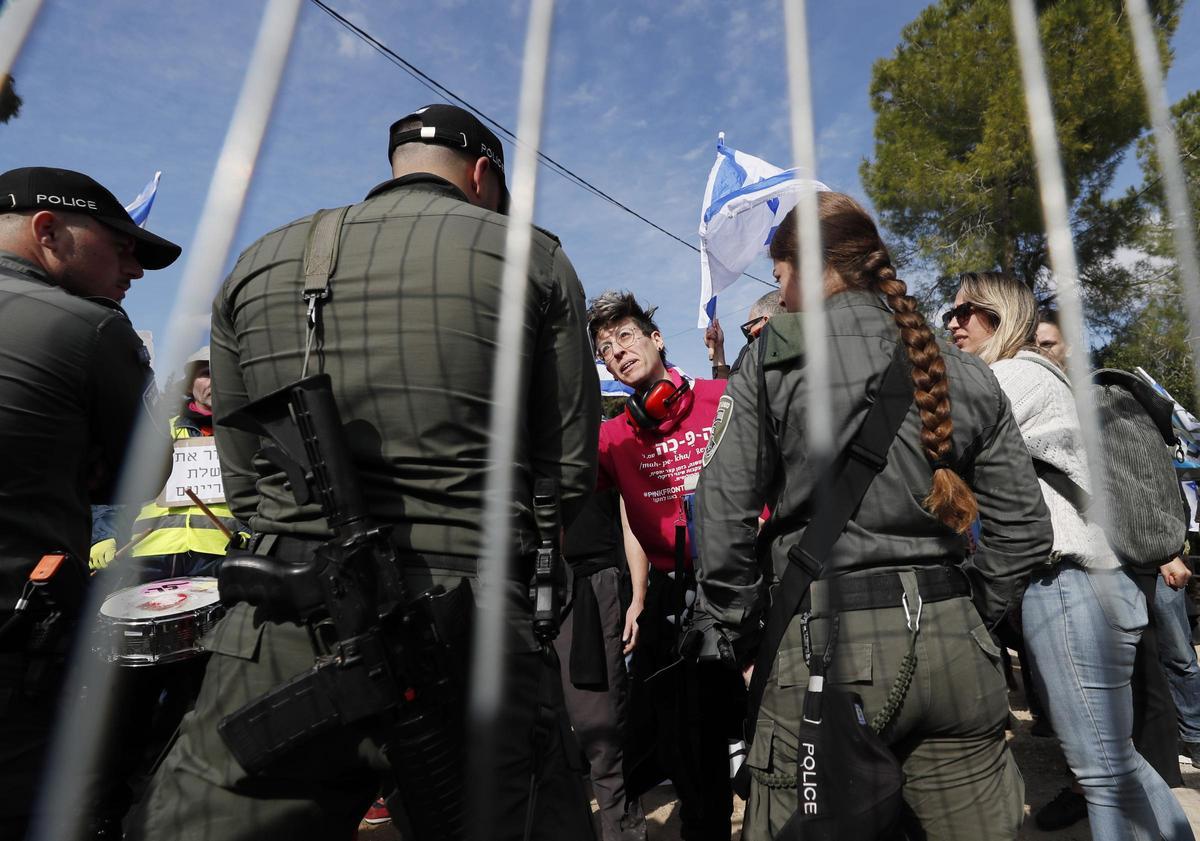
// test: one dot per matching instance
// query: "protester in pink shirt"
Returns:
(681, 713)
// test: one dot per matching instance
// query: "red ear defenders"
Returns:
(653, 407)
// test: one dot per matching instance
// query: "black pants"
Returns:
(1155, 733)
(682, 715)
(148, 704)
(29, 694)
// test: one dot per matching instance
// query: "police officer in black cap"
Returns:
(72, 378)
(407, 332)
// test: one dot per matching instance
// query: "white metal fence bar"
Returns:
(1056, 217)
(1179, 206)
(78, 735)
(811, 265)
(487, 672)
(16, 21)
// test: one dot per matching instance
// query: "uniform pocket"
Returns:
(235, 634)
(773, 795)
(852, 663)
(759, 755)
(773, 755)
(981, 636)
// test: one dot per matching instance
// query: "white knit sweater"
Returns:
(1044, 408)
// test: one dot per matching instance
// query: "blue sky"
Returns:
(637, 94)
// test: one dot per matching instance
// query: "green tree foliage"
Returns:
(10, 102)
(1155, 338)
(953, 173)
(1185, 115)
(611, 405)
(1155, 332)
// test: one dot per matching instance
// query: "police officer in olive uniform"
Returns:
(407, 334)
(904, 544)
(72, 378)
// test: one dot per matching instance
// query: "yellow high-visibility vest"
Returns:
(183, 529)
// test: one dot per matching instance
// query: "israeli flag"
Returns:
(744, 202)
(610, 386)
(139, 208)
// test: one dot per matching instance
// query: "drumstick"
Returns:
(120, 553)
(137, 538)
(208, 513)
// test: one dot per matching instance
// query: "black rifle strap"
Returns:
(679, 590)
(320, 261)
(845, 481)
(1064, 486)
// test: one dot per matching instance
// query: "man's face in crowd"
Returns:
(1050, 341)
(96, 260)
(202, 387)
(632, 357)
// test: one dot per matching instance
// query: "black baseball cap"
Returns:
(449, 125)
(47, 188)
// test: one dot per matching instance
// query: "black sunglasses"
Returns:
(750, 325)
(963, 312)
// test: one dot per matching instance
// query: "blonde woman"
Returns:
(1082, 614)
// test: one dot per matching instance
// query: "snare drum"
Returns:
(158, 622)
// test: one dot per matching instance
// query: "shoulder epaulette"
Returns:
(550, 234)
(784, 335)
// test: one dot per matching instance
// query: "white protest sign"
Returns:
(195, 465)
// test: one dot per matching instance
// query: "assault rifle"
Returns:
(391, 664)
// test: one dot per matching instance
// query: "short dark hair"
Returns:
(1048, 315)
(612, 307)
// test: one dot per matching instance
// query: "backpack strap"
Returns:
(1080, 499)
(847, 479)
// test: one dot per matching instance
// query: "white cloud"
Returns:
(584, 94)
(639, 25)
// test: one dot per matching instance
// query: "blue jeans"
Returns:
(1178, 657)
(1081, 630)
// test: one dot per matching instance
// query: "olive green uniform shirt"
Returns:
(891, 529)
(72, 378)
(409, 340)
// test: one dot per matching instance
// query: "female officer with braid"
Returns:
(958, 455)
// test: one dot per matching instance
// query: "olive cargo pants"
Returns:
(323, 788)
(961, 781)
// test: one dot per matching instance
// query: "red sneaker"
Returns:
(378, 813)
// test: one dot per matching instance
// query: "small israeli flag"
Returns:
(139, 208)
(744, 202)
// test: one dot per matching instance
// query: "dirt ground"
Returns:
(1040, 761)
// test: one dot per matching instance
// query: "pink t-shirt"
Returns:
(649, 467)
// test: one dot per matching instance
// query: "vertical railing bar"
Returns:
(811, 268)
(1179, 205)
(16, 22)
(487, 672)
(1055, 212)
(77, 738)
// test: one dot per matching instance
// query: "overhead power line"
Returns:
(441, 90)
